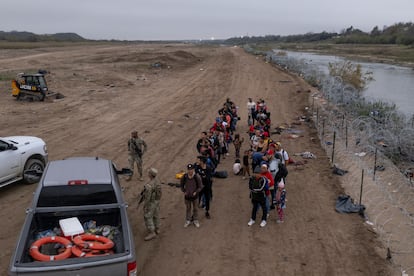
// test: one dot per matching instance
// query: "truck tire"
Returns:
(33, 164)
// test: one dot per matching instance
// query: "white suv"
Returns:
(21, 157)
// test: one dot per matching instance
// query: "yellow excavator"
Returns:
(33, 87)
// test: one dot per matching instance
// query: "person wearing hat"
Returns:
(257, 158)
(280, 200)
(152, 196)
(282, 152)
(136, 149)
(282, 172)
(191, 185)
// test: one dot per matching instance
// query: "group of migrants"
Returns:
(264, 161)
(268, 163)
(267, 171)
(212, 147)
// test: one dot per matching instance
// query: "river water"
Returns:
(391, 83)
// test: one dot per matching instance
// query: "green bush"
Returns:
(351, 74)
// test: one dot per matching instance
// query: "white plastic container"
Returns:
(71, 227)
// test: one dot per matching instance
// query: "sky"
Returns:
(196, 19)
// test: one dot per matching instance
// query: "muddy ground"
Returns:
(170, 93)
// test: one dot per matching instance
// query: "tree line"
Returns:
(15, 36)
(399, 33)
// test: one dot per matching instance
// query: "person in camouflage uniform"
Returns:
(136, 149)
(151, 199)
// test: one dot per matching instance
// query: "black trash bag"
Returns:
(220, 174)
(338, 171)
(345, 204)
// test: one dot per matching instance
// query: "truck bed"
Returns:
(43, 222)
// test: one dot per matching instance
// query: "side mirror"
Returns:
(11, 147)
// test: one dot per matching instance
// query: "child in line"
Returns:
(237, 142)
(280, 200)
(246, 166)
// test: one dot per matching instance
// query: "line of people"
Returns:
(268, 164)
(212, 147)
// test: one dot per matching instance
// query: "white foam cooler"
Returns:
(71, 227)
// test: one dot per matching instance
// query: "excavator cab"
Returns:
(32, 87)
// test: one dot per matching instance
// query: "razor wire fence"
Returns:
(370, 136)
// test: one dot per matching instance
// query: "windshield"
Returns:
(42, 82)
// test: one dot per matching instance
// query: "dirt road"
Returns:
(111, 90)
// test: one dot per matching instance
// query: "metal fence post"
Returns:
(362, 184)
(375, 163)
(346, 135)
(333, 147)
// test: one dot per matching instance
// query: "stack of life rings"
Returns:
(85, 245)
(89, 245)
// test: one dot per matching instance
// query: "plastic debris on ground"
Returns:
(381, 143)
(293, 136)
(306, 155)
(338, 171)
(293, 131)
(177, 185)
(345, 204)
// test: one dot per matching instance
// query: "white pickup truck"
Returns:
(22, 158)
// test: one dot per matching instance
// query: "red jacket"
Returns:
(269, 176)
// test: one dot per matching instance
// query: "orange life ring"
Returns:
(98, 242)
(82, 252)
(35, 252)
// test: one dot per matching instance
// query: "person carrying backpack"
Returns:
(282, 152)
(282, 171)
(283, 156)
(151, 198)
(258, 186)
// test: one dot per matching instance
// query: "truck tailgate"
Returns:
(98, 268)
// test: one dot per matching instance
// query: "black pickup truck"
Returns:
(86, 191)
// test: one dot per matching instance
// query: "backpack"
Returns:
(257, 188)
(282, 165)
(283, 170)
